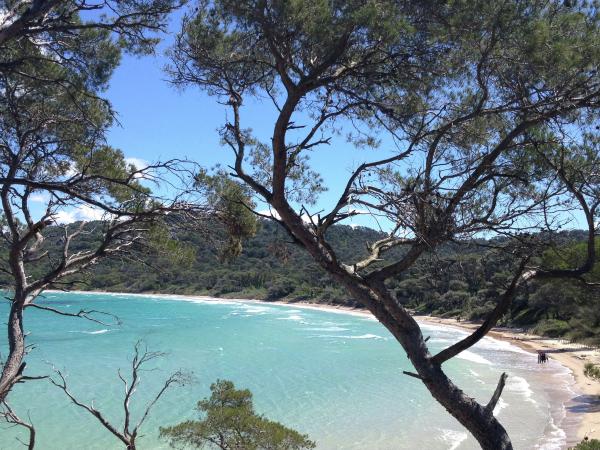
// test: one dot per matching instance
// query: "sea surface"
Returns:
(336, 376)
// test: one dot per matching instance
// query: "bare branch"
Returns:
(491, 320)
(140, 358)
(497, 393)
(82, 313)
(9, 416)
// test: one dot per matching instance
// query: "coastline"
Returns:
(582, 411)
(584, 408)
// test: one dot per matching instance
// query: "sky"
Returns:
(158, 121)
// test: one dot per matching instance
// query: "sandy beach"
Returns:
(583, 411)
(585, 406)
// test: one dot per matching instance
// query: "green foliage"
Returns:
(569, 256)
(588, 444)
(552, 328)
(592, 371)
(459, 280)
(53, 68)
(228, 421)
(66, 122)
(175, 252)
(232, 206)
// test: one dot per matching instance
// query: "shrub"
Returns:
(280, 289)
(228, 421)
(552, 328)
(588, 444)
(592, 371)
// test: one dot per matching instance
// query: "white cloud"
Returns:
(62, 217)
(361, 218)
(38, 198)
(6, 18)
(269, 213)
(80, 213)
(138, 163)
(359, 211)
(71, 172)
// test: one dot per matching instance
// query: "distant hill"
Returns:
(458, 280)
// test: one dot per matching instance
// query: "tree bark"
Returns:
(13, 366)
(475, 417)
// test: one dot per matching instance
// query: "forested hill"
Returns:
(269, 268)
(457, 281)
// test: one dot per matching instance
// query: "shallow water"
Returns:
(337, 377)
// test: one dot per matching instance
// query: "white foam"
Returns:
(97, 331)
(444, 328)
(489, 343)
(500, 406)
(453, 438)
(294, 317)
(365, 336)
(473, 357)
(256, 310)
(520, 386)
(440, 341)
(200, 301)
(555, 440)
(326, 329)
(89, 332)
(556, 437)
(477, 376)
(362, 336)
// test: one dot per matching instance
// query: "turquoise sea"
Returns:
(336, 376)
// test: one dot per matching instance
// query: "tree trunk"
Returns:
(481, 422)
(476, 418)
(13, 366)
(373, 294)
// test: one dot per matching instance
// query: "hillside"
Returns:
(458, 280)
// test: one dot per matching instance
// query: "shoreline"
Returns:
(583, 408)
(582, 411)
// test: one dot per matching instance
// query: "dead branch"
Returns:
(82, 313)
(126, 434)
(497, 393)
(8, 415)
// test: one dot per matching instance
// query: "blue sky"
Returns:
(159, 122)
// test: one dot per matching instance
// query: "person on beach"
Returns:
(542, 357)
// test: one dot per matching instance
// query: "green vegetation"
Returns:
(587, 444)
(456, 281)
(592, 371)
(230, 422)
